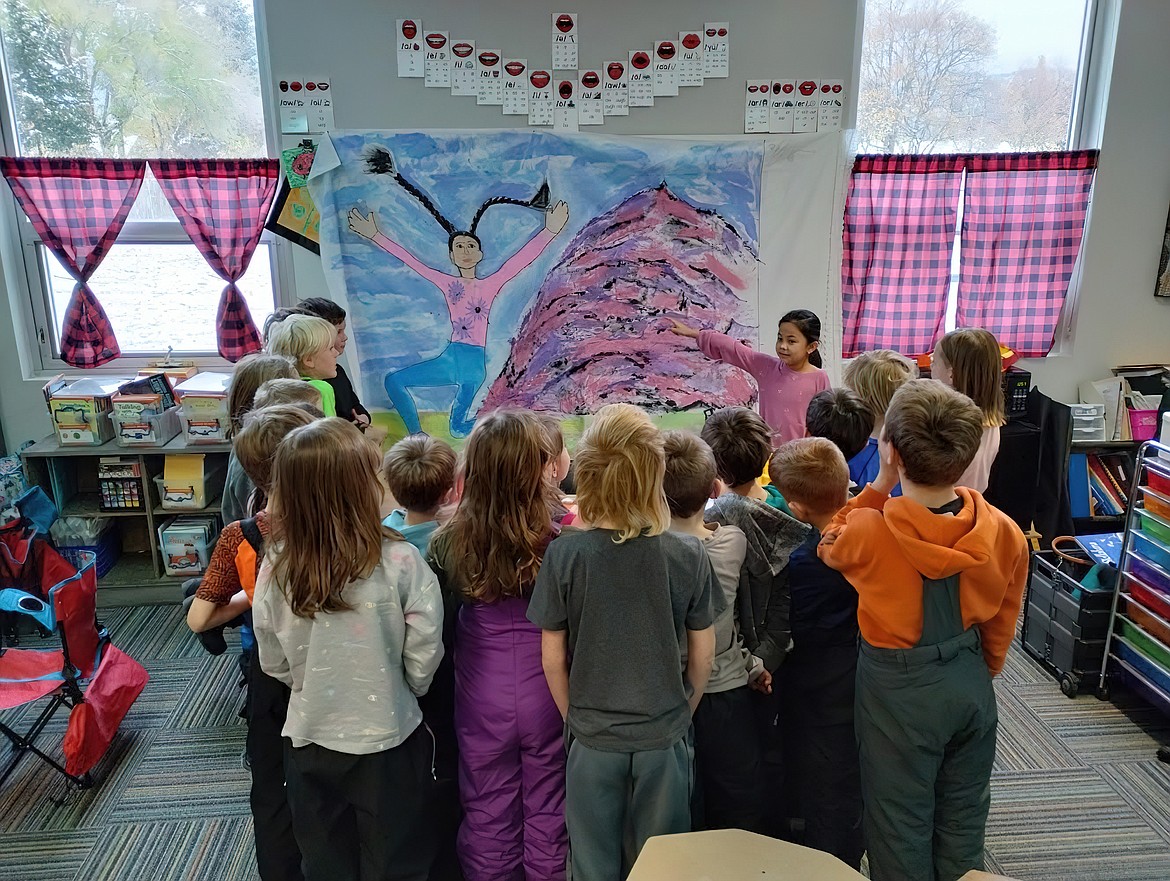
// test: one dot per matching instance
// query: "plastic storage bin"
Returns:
(212, 431)
(188, 497)
(1151, 551)
(151, 431)
(1143, 424)
(105, 551)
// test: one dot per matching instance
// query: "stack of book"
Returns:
(1098, 484)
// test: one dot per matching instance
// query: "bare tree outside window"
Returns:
(968, 75)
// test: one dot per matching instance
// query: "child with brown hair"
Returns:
(816, 707)
(940, 578)
(621, 598)
(727, 743)
(248, 377)
(336, 592)
(223, 596)
(311, 343)
(287, 391)
(420, 473)
(969, 361)
(509, 732)
(875, 376)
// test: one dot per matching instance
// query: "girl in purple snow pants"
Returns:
(508, 729)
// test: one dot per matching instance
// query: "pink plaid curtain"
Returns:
(78, 207)
(900, 217)
(1023, 219)
(222, 205)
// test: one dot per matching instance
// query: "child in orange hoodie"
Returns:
(940, 577)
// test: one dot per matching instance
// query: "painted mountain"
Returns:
(598, 332)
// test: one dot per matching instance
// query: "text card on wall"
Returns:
(464, 76)
(294, 107)
(665, 68)
(783, 107)
(410, 52)
(832, 106)
(565, 105)
(690, 58)
(491, 83)
(716, 56)
(755, 112)
(540, 97)
(590, 110)
(615, 89)
(437, 63)
(564, 40)
(320, 109)
(804, 118)
(515, 87)
(641, 78)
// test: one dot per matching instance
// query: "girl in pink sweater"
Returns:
(787, 381)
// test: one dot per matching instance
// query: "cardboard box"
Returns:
(734, 855)
(79, 410)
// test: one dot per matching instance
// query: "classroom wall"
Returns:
(351, 42)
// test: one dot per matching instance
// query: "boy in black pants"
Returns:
(818, 678)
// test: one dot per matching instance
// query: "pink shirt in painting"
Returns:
(470, 299)
(784, 393)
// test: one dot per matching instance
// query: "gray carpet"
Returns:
(1077, 791)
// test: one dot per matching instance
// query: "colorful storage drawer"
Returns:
(1157, 602)
(1156, 627)
(1129, 653)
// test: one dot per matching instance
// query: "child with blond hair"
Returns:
(875, 376)
(621, 598)
(311, 343)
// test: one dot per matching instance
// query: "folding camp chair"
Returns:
(87, 674)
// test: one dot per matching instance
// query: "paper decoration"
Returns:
(437, 60)
(716, 57)
(590, 110)
(641, 73)
(294, 107)
(783, 106)
(756, 107)
(690, 58)
(615, 89)
(515, 86)
(411, 61)
(565, 105)
(293, 215)
(540, 97)
(491, 82)
(564, 40)
(832, 104)
(808, 102)
(665, 68)
(464, 73)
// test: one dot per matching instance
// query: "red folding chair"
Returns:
(87, 674)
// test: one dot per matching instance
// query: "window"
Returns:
(977, 76)
(969, 76)
(168, 78)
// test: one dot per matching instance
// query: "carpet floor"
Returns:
(1077, 792)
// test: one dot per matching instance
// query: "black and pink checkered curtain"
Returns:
(222, 205)
(78, 207)
(900, 217)
(1023, 219)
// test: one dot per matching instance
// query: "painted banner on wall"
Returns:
(493, 268)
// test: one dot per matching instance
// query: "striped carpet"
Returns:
(1077, 792)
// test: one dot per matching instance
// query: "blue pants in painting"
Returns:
(460, 364)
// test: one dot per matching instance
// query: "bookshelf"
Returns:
(69, 475)
(1100, 479)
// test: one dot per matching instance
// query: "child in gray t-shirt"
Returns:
(617, 602)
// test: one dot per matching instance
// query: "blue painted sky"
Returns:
(397, 318)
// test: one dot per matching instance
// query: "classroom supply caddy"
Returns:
(1137, 643)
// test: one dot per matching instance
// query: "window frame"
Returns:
(1086, 126)
(25, 272)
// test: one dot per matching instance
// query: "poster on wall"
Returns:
(464, 76)
(411, 59)
(783, 106)
(716, 55)
(293, 215)
(475, 284)
(690, 58)
(540, 97)
(515, 86)
(293, 107)
(320, 110)
(564, 40)
(491, 84)
(832, 106)
(565, 102)
(641, 78)
(756, 107)
(437, 60)
(590, 110)
(808, 102)
(665, 68)
(615, 89)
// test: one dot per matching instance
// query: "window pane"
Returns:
(161, 295)
(942, 76)
(146, 78)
